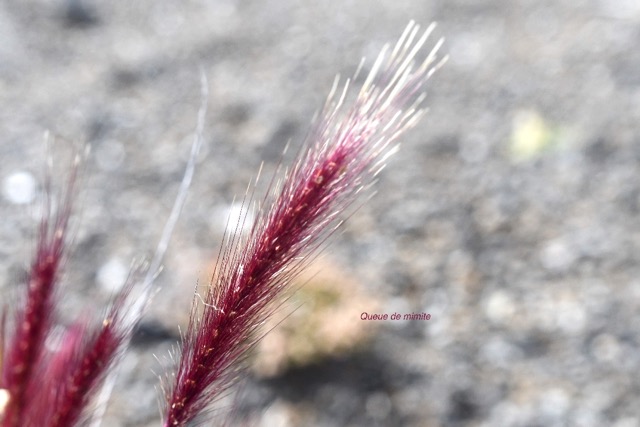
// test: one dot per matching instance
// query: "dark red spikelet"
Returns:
(74, 373)
(34, 320)
(346, 149)
(54, 387)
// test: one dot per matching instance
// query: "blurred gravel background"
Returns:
(510, 214)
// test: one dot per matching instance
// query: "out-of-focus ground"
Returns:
(511, 213)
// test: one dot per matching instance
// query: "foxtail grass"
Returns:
(345, 150)
(348, 145)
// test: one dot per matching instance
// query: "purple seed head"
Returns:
(346, 148)
(33, 321)
(54, 387)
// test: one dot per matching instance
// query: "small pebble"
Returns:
(499, 307)
(19, 188)
(112, 275)
(276, 415)
(554, 404)
(557, 256)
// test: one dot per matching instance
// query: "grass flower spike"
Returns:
(57, 376)
(348, 145)
(34, 320)
(52, 385)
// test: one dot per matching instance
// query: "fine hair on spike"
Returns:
(348, 145)
(59, 372)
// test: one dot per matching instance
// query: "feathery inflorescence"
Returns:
(346, 148)
(45, 386)
(74, 373)
(41, 386)
(34, 320)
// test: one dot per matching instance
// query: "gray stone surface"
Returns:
(527, 258)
